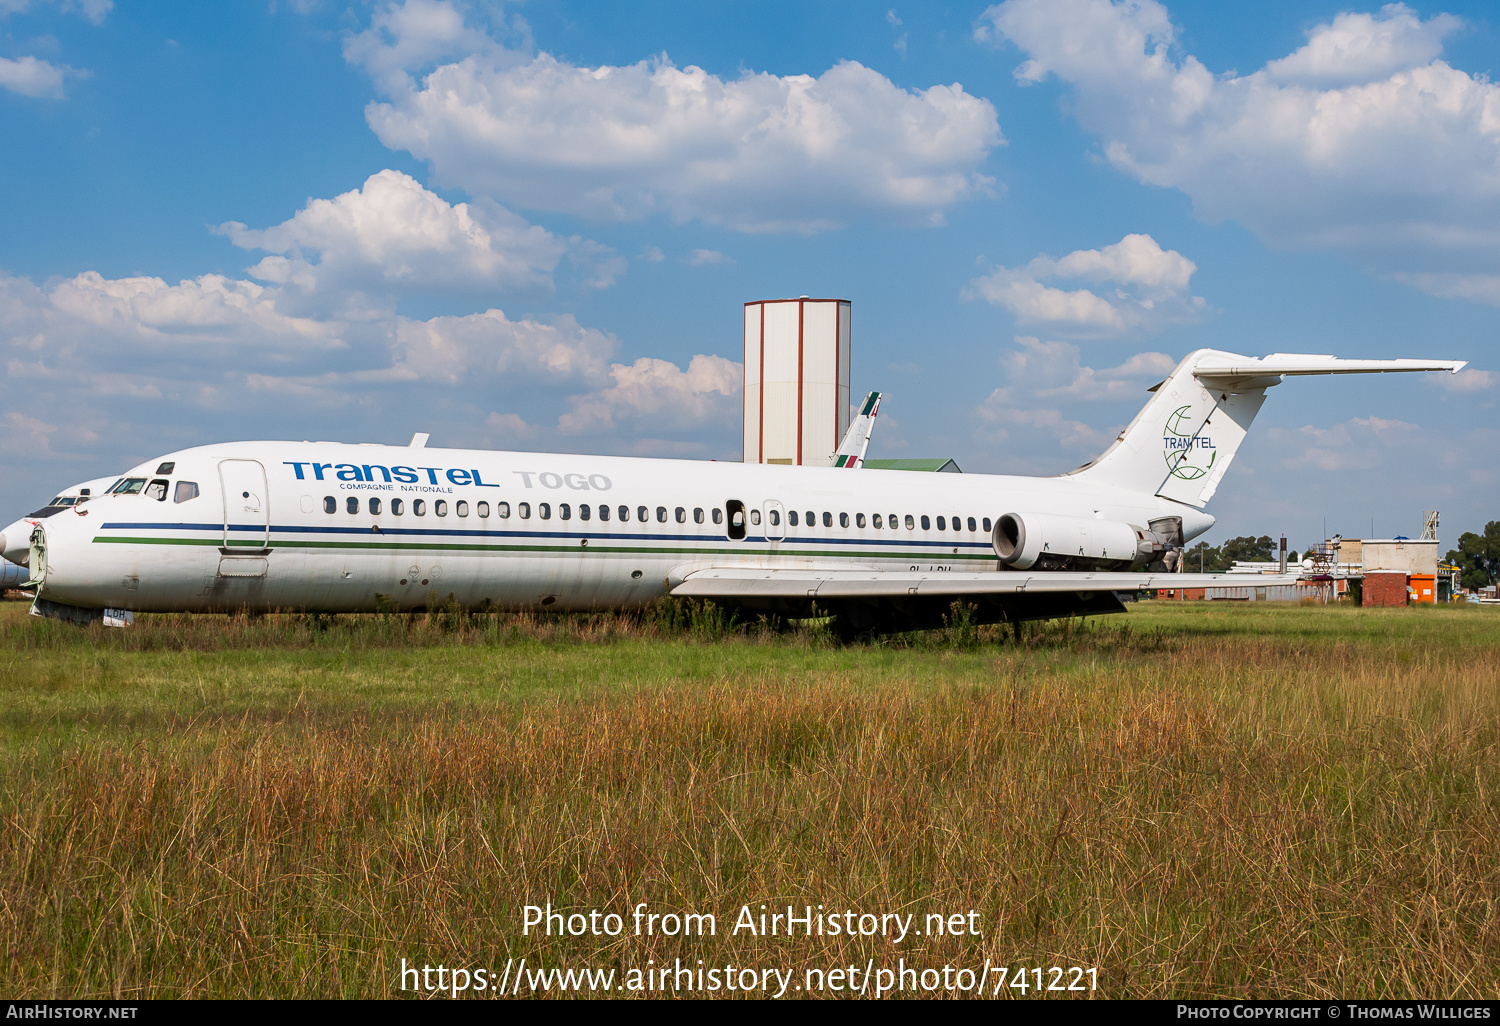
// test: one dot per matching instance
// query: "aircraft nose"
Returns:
(15, 542)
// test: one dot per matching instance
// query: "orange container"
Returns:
(1423, 589)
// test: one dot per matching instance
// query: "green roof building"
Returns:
(937, 466)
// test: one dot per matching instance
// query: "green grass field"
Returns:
(1197, 801)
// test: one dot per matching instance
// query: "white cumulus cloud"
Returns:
(656, 396)
(759, 152)
(1363, 141)
(1025, 418)
(394, 234)
(1150, 290)
(487, 345)
(1358, 48)
(93, 11)
(31, 76)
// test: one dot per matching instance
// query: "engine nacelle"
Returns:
(1052, 541)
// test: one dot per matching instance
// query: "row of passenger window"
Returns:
(893, 521)
(565, 511)
(544, 510)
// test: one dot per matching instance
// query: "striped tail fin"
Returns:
(851, 451)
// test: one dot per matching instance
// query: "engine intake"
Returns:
(1052, 541)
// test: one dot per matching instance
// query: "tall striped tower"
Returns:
(796, 380)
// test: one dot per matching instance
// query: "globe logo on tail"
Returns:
(1178, 444)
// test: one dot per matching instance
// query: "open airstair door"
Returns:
(247, 519)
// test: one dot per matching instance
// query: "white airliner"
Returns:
(336, 527)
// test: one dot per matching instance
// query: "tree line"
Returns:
(1478, 556)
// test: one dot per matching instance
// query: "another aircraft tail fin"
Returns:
(1183, 440)
(851, 451)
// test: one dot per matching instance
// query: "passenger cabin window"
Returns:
(791, 517)
(351, 504)
(461, 508)
(926, 524)
(681, 515)
(524, 509)
(812, 519)
(986, 525)
(911, 525)
(718, 515)
(827, 519)
(375, 507)
(440, 507)
(734, 509)
(698, 515)
(419, 507)
(755, 518)
(973, 526)
(330, 504)
(584, 511)
(876, 522)
(603, 512)
(775, 518)
(482, 508)
(942, 524)
(642, 514)
(185, 490)
(564, 511)
(624, 512)
(661, 514)
(843, 520)
(859, 520)
(544, 510)
(397, 506)
(895, 522)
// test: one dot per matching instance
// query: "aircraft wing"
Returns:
(747, 582)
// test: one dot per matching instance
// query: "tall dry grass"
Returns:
(1217, 812)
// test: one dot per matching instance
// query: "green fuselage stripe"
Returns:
(759, 548)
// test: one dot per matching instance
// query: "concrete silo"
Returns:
(796, 380)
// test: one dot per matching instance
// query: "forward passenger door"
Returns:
(247, 509)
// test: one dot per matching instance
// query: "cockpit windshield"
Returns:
(129, 486)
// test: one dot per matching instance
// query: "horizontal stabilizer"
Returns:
(1229, 369)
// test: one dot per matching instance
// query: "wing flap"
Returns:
(735, 582)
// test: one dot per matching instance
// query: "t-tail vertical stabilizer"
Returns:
(851, 451)
(1183, 440)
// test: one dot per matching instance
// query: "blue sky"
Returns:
(533, 226)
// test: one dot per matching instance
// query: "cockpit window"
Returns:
(63, 500)
(186, 490)
(157, 490)
(166, 468)
(130, 486)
